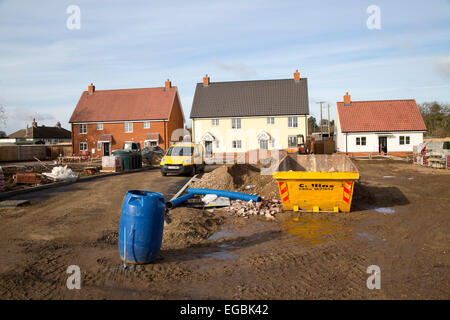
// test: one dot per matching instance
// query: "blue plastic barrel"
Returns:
(141, 226)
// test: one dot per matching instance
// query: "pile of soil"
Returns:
(236, 177)
(187, 225)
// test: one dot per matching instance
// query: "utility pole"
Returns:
(329, 126)
(320, 123)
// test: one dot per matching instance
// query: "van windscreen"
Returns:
(180, 151)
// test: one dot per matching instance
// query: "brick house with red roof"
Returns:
(378, 127)
(104, 119)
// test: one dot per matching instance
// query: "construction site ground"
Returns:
(399, 222)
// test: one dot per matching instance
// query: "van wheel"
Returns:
(194, 171)
(163, 173)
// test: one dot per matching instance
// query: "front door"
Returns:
(208, 149)
(106, 149)
(382, 145)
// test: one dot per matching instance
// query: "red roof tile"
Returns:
(383, 115)
(124, 105)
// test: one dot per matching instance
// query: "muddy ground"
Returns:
(399, 221)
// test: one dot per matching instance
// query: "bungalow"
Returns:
(104, 119)
(239, 116)
(378, 127)
(39, 134)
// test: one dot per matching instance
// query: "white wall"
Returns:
(372, 142)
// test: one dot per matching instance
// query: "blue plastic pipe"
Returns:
(226, 194)
(176, 202)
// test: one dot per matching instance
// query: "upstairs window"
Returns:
(292, 122)
(128, 127)
(99, 126)
(82, 128)
(146, 124)
(215, 122)
(270, 120)
(236, 123)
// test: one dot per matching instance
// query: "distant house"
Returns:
(39, 134)
(104, 119)
(378, 127)
(240, 116)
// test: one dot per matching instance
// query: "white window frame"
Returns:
(359, 141)
(296, 141)
(80, 128)
(236, 144)
(217, 144)
(271, 120)
(127, 126)
(146, 124)
(273, 143)
(214, 122)
(83, 144)
(292, 122)
(99, 126)
(236, 123)
(266, 144)
(406, 140)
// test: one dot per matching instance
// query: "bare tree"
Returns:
(2, 114)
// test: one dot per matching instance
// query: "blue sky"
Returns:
(44, 66)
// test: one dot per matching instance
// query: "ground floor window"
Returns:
(404, 140)
(264, 144)
(83, 146)
(292, 141)
(360, 141)
(150, 143)
(99, 146)
(237, 144)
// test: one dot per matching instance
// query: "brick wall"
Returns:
(119, 136)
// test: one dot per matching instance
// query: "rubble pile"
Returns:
(268, 208)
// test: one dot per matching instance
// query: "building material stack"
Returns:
(111, 164)
(432, 153)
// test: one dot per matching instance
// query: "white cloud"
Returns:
(442, 66)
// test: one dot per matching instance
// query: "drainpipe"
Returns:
(73, 142)
(346, 150)
(165, 135)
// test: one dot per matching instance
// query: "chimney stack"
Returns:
(34, 123)
(58, 124)
(347, 101)
(296, 75)
(168, 85)
(91, 89)
(205, 81)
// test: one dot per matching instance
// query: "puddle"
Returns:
(230, 231)
(222, 255)
(221, 234)
(315, 231)
(385, 210)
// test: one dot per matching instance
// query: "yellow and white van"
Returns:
(183, 158)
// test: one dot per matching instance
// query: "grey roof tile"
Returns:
(251, 98)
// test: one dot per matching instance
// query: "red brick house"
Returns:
(103, 120)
